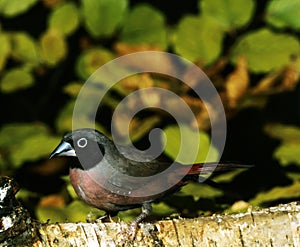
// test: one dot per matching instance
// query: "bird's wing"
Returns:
(142, 164)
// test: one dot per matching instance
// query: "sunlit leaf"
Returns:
(227, 176)
(16, 79)
(5, 49)
(24, 48)
(53, 47)
(230, 14)
(73, 88)
(65, 18)
(11, 8)
(23, 194)
(71, 190)
(192, 150)
(199, 191)
(280, 80)
(91, 60)
(64, 121)
(32, 150)
(138, 29)
(23, 142)
(51, 214)
(283, 132)
(198, 39)
(265, 50)
(288, 151)
(14, 133)
(277, 193)
(137, 128)
(76, 211)
(102, 17)
(129, 215)
(143, 127)
(162, 209)
(282, 13)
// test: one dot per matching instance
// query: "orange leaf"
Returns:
(237, 82)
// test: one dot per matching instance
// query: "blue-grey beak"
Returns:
(63, 149)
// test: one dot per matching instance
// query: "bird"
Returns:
(114, 178)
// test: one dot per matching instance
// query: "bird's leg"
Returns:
(130, 233)
(146, 211)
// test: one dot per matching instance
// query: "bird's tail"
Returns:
(204, 169)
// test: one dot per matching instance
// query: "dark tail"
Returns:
(205, 168)
(211, 167)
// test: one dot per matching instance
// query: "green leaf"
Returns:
(199, 191)
(16, 79)
(162, 209)
(199, 39)
(282, 13)
(23, 142)
(129, 215)
(137, 29)
(24, 48)
(102, 17)
(11, 8)
(73, 88)
(65, 118)
(230, 14)
(91, 60)
(71, 190)
(53, 47)
(13, 134)
(193, 150)
(137, 127)
(34, 148)
(5, 49)
(283, 132)
(288, 151)
(144, 127)
(64, 18)
(51, 214)
(277, 193)
(265, 50)
(76, 211)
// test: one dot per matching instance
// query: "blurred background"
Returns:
(249, 49)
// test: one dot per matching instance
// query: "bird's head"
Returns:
(87, 145)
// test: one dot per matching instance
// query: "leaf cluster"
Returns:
(249, 49)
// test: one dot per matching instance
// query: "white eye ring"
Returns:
(82, 142)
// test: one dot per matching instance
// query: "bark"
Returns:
(274, 226)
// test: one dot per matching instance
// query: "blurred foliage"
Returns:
(177, 147)
(249, 49)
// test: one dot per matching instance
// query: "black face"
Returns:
(88, 151)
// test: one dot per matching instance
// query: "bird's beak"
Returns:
(63, 149)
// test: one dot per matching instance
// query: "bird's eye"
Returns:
(82, 142)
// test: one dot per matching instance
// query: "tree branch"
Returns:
(274, 226)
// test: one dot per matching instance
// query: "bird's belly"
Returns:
(93, 193)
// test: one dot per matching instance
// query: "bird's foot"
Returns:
(127, 235)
